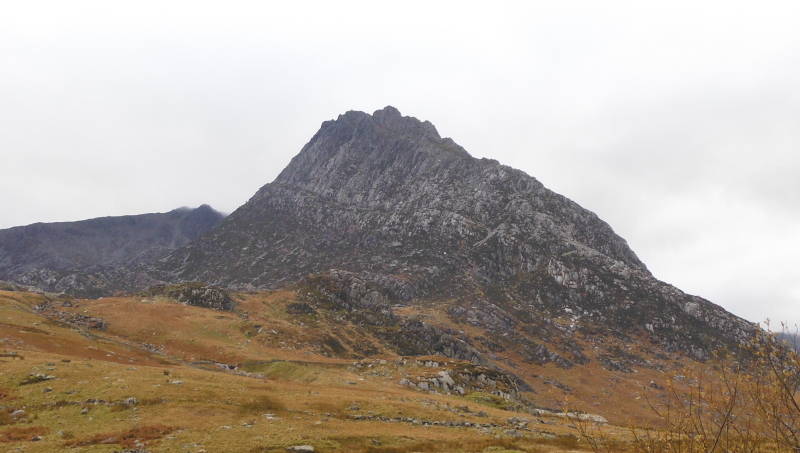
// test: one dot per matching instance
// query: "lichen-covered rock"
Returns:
(197, 294)
(443, 375)
(353, 294)
(416, 337)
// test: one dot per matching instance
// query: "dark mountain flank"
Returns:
(96, 257)
(378, 212)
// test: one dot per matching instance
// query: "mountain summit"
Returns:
(383, 204)
(386, 194)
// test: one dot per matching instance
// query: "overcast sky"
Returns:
(677, 123)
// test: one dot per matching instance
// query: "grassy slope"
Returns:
(282, 371)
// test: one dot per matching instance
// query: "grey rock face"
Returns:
(301, 448)
(385, 194)
(98, 256)
(354, 295)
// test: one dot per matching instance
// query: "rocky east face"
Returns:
(384, 203)
(98, 256)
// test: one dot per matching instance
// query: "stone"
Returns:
(593, 418)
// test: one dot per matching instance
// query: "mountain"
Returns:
(94, 257)
(386, 282)
(385, 194)
(378, 212)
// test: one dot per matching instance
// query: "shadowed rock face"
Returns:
(385, 200)
(96, 257)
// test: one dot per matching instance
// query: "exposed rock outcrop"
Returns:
(460, 378)
(197, 294)
(350, 293)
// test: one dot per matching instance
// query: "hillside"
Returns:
(97, 257)
(151, 373)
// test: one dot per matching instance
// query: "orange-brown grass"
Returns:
(261, 404)
(6, 394)
(16, 433)
(128, 438)
(5, 417)
(24, 329)
(333, 408)
(311, 396)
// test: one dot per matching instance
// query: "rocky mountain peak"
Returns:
(386, 195)
(360, 154)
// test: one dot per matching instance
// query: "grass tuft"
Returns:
(6, 394)
(261, 404)
(6, 418)
(126, 439)
(17, 434)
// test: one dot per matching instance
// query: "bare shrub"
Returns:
(748, 403)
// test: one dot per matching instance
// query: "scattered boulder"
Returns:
(459, 377)
(34, 378)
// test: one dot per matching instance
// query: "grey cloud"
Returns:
(678, 129)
